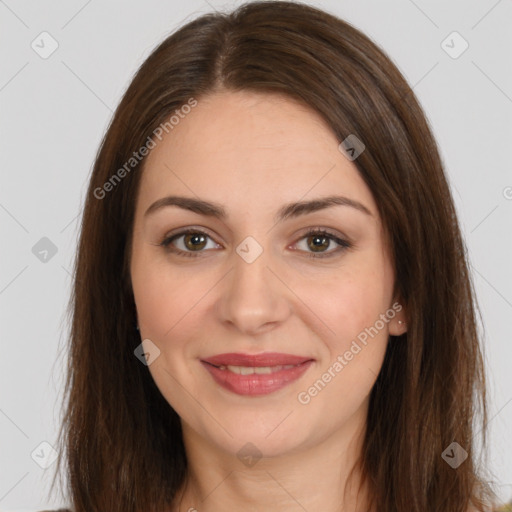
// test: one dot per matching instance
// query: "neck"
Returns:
(311, 478)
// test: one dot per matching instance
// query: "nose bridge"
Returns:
(250, 266)
(253, 296)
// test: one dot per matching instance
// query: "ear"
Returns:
(398, 324)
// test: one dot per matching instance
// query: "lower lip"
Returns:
(255, 384)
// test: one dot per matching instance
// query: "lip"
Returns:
(263, 359)
(256, 384)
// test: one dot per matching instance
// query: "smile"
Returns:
(256, 375)
(260, 370)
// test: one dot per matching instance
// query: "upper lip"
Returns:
(254, 360)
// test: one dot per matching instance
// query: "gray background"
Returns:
(54, 112)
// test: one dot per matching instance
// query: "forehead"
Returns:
(243, 148)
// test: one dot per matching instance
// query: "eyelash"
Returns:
(343, 244)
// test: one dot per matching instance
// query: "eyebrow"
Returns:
(211, 209)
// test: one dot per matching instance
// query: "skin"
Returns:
(253, 153)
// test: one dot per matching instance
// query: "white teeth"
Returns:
(262, 369)
(249, 370)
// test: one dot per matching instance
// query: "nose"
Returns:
(254, 297)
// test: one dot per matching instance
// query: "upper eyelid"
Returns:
(185, 231)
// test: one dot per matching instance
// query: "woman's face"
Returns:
(247, 283)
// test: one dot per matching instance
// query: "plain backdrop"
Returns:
(55, 109)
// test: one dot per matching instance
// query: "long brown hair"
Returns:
(122, 440)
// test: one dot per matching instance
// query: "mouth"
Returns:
(258, 374)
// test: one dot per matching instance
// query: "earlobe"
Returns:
(397, 324)
(397, 327)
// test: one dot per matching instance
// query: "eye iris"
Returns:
(194, 238)
(323, 244)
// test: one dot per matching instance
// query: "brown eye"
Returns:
(187, 242)
(191, 242)
(317, 241)
(194, 241)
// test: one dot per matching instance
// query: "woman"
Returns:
(272, 306)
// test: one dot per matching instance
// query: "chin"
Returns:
(269, 435)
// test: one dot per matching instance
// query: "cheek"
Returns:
(160, 296)
(170, 304)
(351, 306)
(155, 301)
(349, 300)
(167, 317)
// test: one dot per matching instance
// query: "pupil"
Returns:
(195, 238)
(318, 238)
